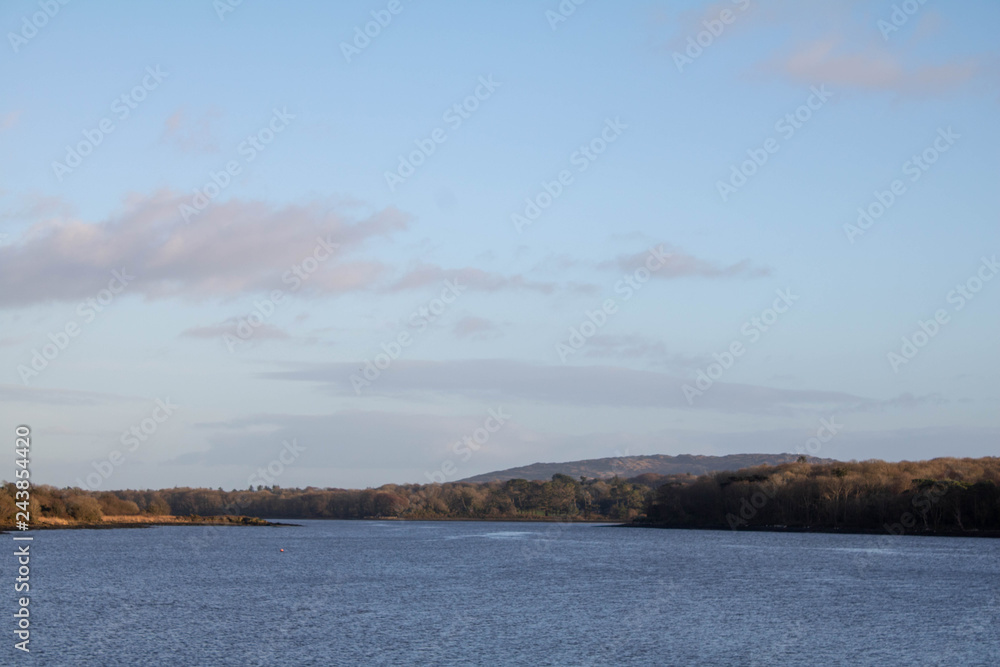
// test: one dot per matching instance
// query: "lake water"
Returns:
(470, 593)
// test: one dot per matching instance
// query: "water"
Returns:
(457, 593)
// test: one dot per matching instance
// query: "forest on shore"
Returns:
(940, 496)
(944, 496)
(561, 498)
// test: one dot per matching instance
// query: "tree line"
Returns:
(562, 497)
(945, 495)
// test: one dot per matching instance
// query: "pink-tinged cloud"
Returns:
(677, 264)
(476, 279)
(192, 135)
(229, 327)
(475, 326)
(509, 380)
(827, 61)
(228, 249)
(20, 394)
(34, 206)
(9, 120)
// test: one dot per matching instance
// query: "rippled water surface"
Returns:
(469, 593)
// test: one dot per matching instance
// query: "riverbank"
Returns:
(820, 529)
(146, 520)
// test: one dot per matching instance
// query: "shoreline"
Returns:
(820, 529)
(138, 521)
(146, 521)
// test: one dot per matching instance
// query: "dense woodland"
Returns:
(942, 495)
(562, 498)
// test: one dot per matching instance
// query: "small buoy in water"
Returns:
(282, 549)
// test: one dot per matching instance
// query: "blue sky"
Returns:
(641, 126)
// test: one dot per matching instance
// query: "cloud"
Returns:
(475, 326)
(33, 206)
(477, 279)
(378, 447)
(828, 61)
(192, 135)
(11, 341)
(679, 264)
(12, 393)
(609, 386)
(905, 401)
(624, 346)
(9, 120)
(418, 444)
(232, 248)
(750, 16)
(260, 332)
(417, 440)
(841, 45)
(631, 347)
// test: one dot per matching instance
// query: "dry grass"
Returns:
(146, 518)
(134, 519)
(51, 521)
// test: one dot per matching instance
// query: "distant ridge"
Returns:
(633, 466)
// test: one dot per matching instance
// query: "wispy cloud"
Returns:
(11, 341)
(192, 134)
(11, 393)
(233, 248)
(477, 327)
(830, 60)
(229, 327)
(679, 264)
(609, 386)
(631, 347)
(477, 279)
(9, 120)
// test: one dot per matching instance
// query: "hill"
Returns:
(633, 466)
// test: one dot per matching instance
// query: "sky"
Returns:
(350, 244)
